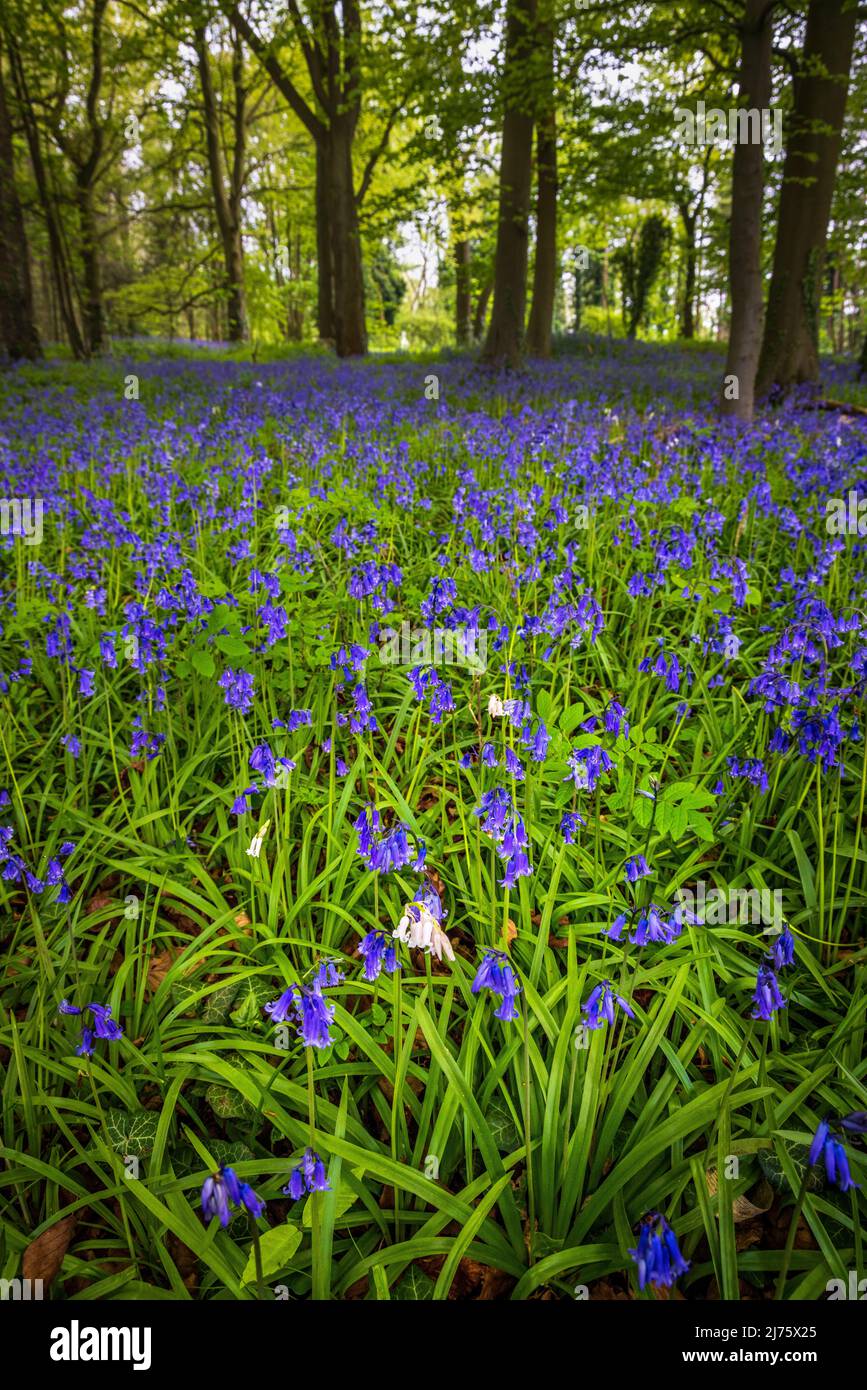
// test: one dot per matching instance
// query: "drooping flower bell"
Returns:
(658, 1255)
(104, 1026)
(306, 1006)
(308, 1176)
(767, 997)
(224, 1188)
(378, 953)
(496, 974)
(783, 950)
(828, 1146)
(599, 1008)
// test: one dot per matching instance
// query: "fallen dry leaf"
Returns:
(159, 967)
(44, 1255)
(742, 1208)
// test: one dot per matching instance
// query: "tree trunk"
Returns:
(227, 205)
(504, 342)
(350, 330)
(17, 327)
(94, 324)
(324, 259)
(59, 263)
(481, 311)
(790, 347)
(463, 293)
(745, 226)
(541, 319)
(687, 308)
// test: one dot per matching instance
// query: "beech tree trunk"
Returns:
(541, 319)
(59, 263)
(687, 308)
(745, 227)
(463, 293)
(17, 327)
(350, 330)
(324, 265)
(790, 346)
(505, 339)
(331, 48)
(92, 313)
(227, 203)
(480, 312)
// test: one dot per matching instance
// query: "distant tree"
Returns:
(639, 263)
(388, 282)
(227, 183)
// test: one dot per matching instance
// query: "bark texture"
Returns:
(790, 345)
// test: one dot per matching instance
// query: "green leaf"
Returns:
(132, 1132)
(503, 1128)
(770, 1164)
(414, 1286)
(252, 993)
(232, 646)
(217, 1005)
(225, 1101)
(344, 1198)
(278, 1246)
(203, 663)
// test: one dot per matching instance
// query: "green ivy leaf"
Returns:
(772, 1168)
(217, 1005)
(503, 1129)
(252, 993)
(414, 1286)
(132, 1132)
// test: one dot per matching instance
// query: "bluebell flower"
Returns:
(599, 1007)
(637, 868)
(281, 1008)
(828, 1146)
(783, 950)
(615, 931)
(378, 951)
(614, 719)
(239, 805)
(495, 973)
(767, 997)
(308, 1176)
(652, 926)
(307, 1007)
(104, 1026)
(215, 1199)
(225, 1187)
(327, 974)
(657, 1255)
(856, 1122)
(238, 686)
(295, 1188)
(569, 826)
